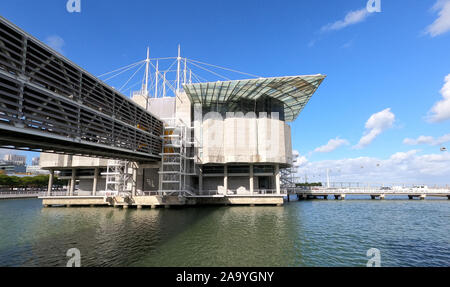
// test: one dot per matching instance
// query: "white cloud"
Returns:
(377, 124)
(441, 110)
(352, 17)
(299, 160)
(56, 42)
(402, 167)
(332, 145)
(442, 23)
(427, 140)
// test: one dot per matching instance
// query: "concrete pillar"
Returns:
(94, 185)
(278, 178)
(50, 182)
(134, 184)
(252, 180)
(200, 182)
(68, 187)
(225, 179)
(383, 197)
(72, 182)
(423, 197)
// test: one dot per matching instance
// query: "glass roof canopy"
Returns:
(294, 92)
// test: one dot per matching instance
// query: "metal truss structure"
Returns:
(178, 159)
(49, 104)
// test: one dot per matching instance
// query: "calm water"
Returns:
(308, 233)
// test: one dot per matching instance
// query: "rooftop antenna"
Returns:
(185, 71)
(156, 82)
(178, 68)
(147, 65)
(164, 85)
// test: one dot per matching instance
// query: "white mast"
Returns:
(164, 85)
(190, 76)
(185, 71)
(147, 61)
(145, 92)
(156, 82)
(178, 68)
(328, 178)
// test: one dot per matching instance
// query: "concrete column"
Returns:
(278, 179)
(200, 182)
(72, 182)
(134, 184)
(252, 180)
(68, 187)
(94, 185)
(50, 182)
(225, 179)
(161, 177)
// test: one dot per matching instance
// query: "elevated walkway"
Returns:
(49, 104)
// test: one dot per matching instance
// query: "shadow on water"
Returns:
(231, 236)
(33, 236)
(305, 233)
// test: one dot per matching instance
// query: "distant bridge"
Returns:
(375, 192)
(49, 104)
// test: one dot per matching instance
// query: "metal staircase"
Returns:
(289, 175)
(177, 158)
(117, 177)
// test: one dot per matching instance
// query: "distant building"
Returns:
(36, 170)
(12, 169)
(35, 161)
(14, 159)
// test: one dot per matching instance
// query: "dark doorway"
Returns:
(263, 182)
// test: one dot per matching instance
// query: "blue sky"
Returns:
(396, 59)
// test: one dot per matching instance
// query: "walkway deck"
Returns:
(374, 193)
(19, 195)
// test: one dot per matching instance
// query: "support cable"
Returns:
(223, 68)
(132, 65)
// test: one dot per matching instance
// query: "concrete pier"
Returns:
(154, 202)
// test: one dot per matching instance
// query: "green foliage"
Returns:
(39, 181)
